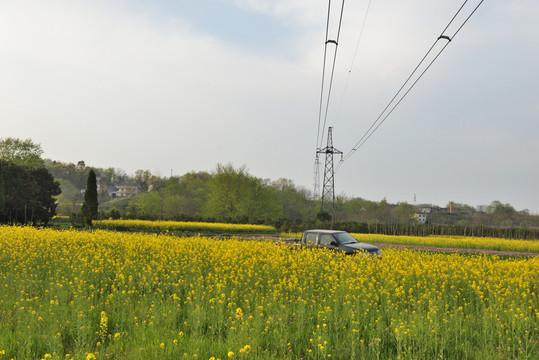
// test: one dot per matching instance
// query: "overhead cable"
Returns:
(353, 59)
(323, 76)
(335, 42)
(383, 115)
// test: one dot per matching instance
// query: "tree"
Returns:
(108, 176)
(226, 187)
(498, 208)
(185, 196)
(385, 212)
(323, 216)
(120, 176)
(21, 152)
(236, 196)
(69, 198)
(28, 194)
(156, 183)
(404, 212)
(502, 214)
(45, 190)
(145, 206)
(260, 203)
(90, 205)
(76, 175)
(295, 202)
(142, 177)
(2, 197)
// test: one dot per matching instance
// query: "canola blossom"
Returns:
(462, 242)
(106, 295)
(183, 226)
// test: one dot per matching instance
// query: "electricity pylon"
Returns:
(316, 194)
(328, 190)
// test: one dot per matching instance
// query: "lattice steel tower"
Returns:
(328, 190)
(316, 194)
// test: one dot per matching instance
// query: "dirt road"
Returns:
(457, 250)
(426, 248)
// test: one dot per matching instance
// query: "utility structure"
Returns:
(316, 195)
(328, 189)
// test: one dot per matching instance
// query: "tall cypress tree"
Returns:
(89, 207)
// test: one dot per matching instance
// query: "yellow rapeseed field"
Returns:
(106, 295)
(184, 226)
(455, 242)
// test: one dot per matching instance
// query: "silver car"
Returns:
(339, 241)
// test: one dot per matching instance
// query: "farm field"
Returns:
(184, 226)
(480, 243)
(483, 243)
(108, 295)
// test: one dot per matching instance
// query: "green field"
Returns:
(107, 295)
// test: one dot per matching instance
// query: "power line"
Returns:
(360, 35)
(322, 88)
(332, 69)
(353, 59)
(381, 118)
(323, 75)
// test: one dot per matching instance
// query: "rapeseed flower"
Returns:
(156, 289)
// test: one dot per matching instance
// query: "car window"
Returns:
(310, 238)
(345, 238)
(326, 239)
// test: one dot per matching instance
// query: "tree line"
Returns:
(398, 229)
(226, 194)
(27, 188)
(229, 194)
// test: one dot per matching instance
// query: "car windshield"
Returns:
(345, 238)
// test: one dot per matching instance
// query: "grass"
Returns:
(107, 295)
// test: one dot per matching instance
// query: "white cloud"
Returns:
(124, 86)
(300, 11)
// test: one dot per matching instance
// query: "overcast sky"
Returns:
(183, 85)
